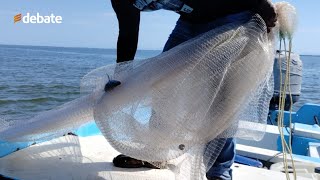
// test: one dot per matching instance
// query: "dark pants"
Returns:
(184, 31)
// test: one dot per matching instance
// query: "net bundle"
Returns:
(185, 103)
(178, 107)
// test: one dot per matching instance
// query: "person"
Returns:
(295, 80)
(196, 17)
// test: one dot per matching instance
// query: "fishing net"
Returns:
(49, 124)
(208, 89)
(178, 107)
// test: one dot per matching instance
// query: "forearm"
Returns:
(126, 45)
(129, 20)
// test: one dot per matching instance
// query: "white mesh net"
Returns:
(287, 18)
(49, 124)
(168, 108)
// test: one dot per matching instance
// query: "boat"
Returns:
(86, 154)
(301, 129)
(305, 141)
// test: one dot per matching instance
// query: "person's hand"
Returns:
(268, 13)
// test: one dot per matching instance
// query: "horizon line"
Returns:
(111, 48)
(79, 47)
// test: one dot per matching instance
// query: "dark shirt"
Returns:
(208, 10)
(203, 11)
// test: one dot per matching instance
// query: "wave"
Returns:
(30, 100)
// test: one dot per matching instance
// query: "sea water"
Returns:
(35, 79)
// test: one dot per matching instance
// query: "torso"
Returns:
(209, 10)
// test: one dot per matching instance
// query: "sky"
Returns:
(93, 24)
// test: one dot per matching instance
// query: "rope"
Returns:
(286, 147)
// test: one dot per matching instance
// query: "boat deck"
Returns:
(72, 157)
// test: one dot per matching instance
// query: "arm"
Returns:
(129, 20)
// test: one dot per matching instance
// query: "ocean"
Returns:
(35, 79)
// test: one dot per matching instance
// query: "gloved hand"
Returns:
(268, 13)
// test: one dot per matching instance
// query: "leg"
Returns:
(181, 33)
(221, 169)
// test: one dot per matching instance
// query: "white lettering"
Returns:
(33, 19)
(25, 19)
(52, 18)
(47, 19)
(42, 19)
(39, 18)
(59, 19)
